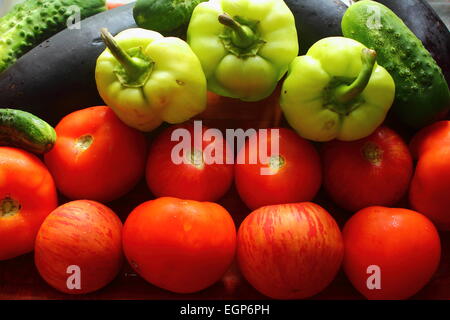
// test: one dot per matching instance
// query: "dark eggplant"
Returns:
(316, 19)
(57, 77)
(425, 23)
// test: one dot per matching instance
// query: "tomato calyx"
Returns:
(276, 162)
(9, 207)
(84, 142)
(195, 158)
(373, 153)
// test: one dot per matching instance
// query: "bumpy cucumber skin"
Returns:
(163, 15)
(24, 130)
(33, 21)
(422, 94)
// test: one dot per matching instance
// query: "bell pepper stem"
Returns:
(347, 93)
(243, 36)
(133, 68)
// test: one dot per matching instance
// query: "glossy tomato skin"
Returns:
(431, 138)
(290, 251)
(96, 156)
(429, 192)
(27, 196)
(195, 179)
(372, 171)
(80, 233)
(404, 244)
(297, 177)
(179, 245)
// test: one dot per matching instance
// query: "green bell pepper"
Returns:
(245, 46)
(147, 78)
(336, 91)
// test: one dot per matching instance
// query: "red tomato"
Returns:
(27, 196)
(372, 171)
(197, 178)
(290, 251)
(96, 156)
(430, 186)
(180, 245)
(403, 244)
(80, 233)
(295, 174)
(431, 138)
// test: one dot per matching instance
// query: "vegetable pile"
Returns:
(343, 109)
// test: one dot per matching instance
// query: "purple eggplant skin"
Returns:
(425, 23)
(58, 76)
(316, 19)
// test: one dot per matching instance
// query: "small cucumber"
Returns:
(422, 94)
(23, 130)
(33, 21)
(163, 15)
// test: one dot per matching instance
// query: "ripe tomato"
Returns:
(197, 178)
(372, 171)
(85, 234)
(27, 196)
(292, 176)
(96, 156)
(290, 251)
(403, 244)
(182, 246)
(431, 138)
(429, 192)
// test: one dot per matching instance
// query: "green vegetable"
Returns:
(244, 46)
(336, 91)
(163, 15)
(24, 130)
(422, 94)
(147, 79)
(33, 21)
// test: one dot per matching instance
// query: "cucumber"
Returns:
(24, 130)
(33, 21)
(425, 23)
(422, 94)
(164, 15)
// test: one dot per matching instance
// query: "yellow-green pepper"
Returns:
(147, 78)
(336, 91)
(245, 46)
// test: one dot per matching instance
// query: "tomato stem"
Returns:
(276, 162)
(84, 142)
(372, 153)
(9, 207)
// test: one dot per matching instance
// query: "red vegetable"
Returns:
(403, 244)
(180, 245)
(372, 171)
(197, 178)
(96, 156)
(27, 196)
(295, 174)
(289, 251)
(430, 186)
(84, 234)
